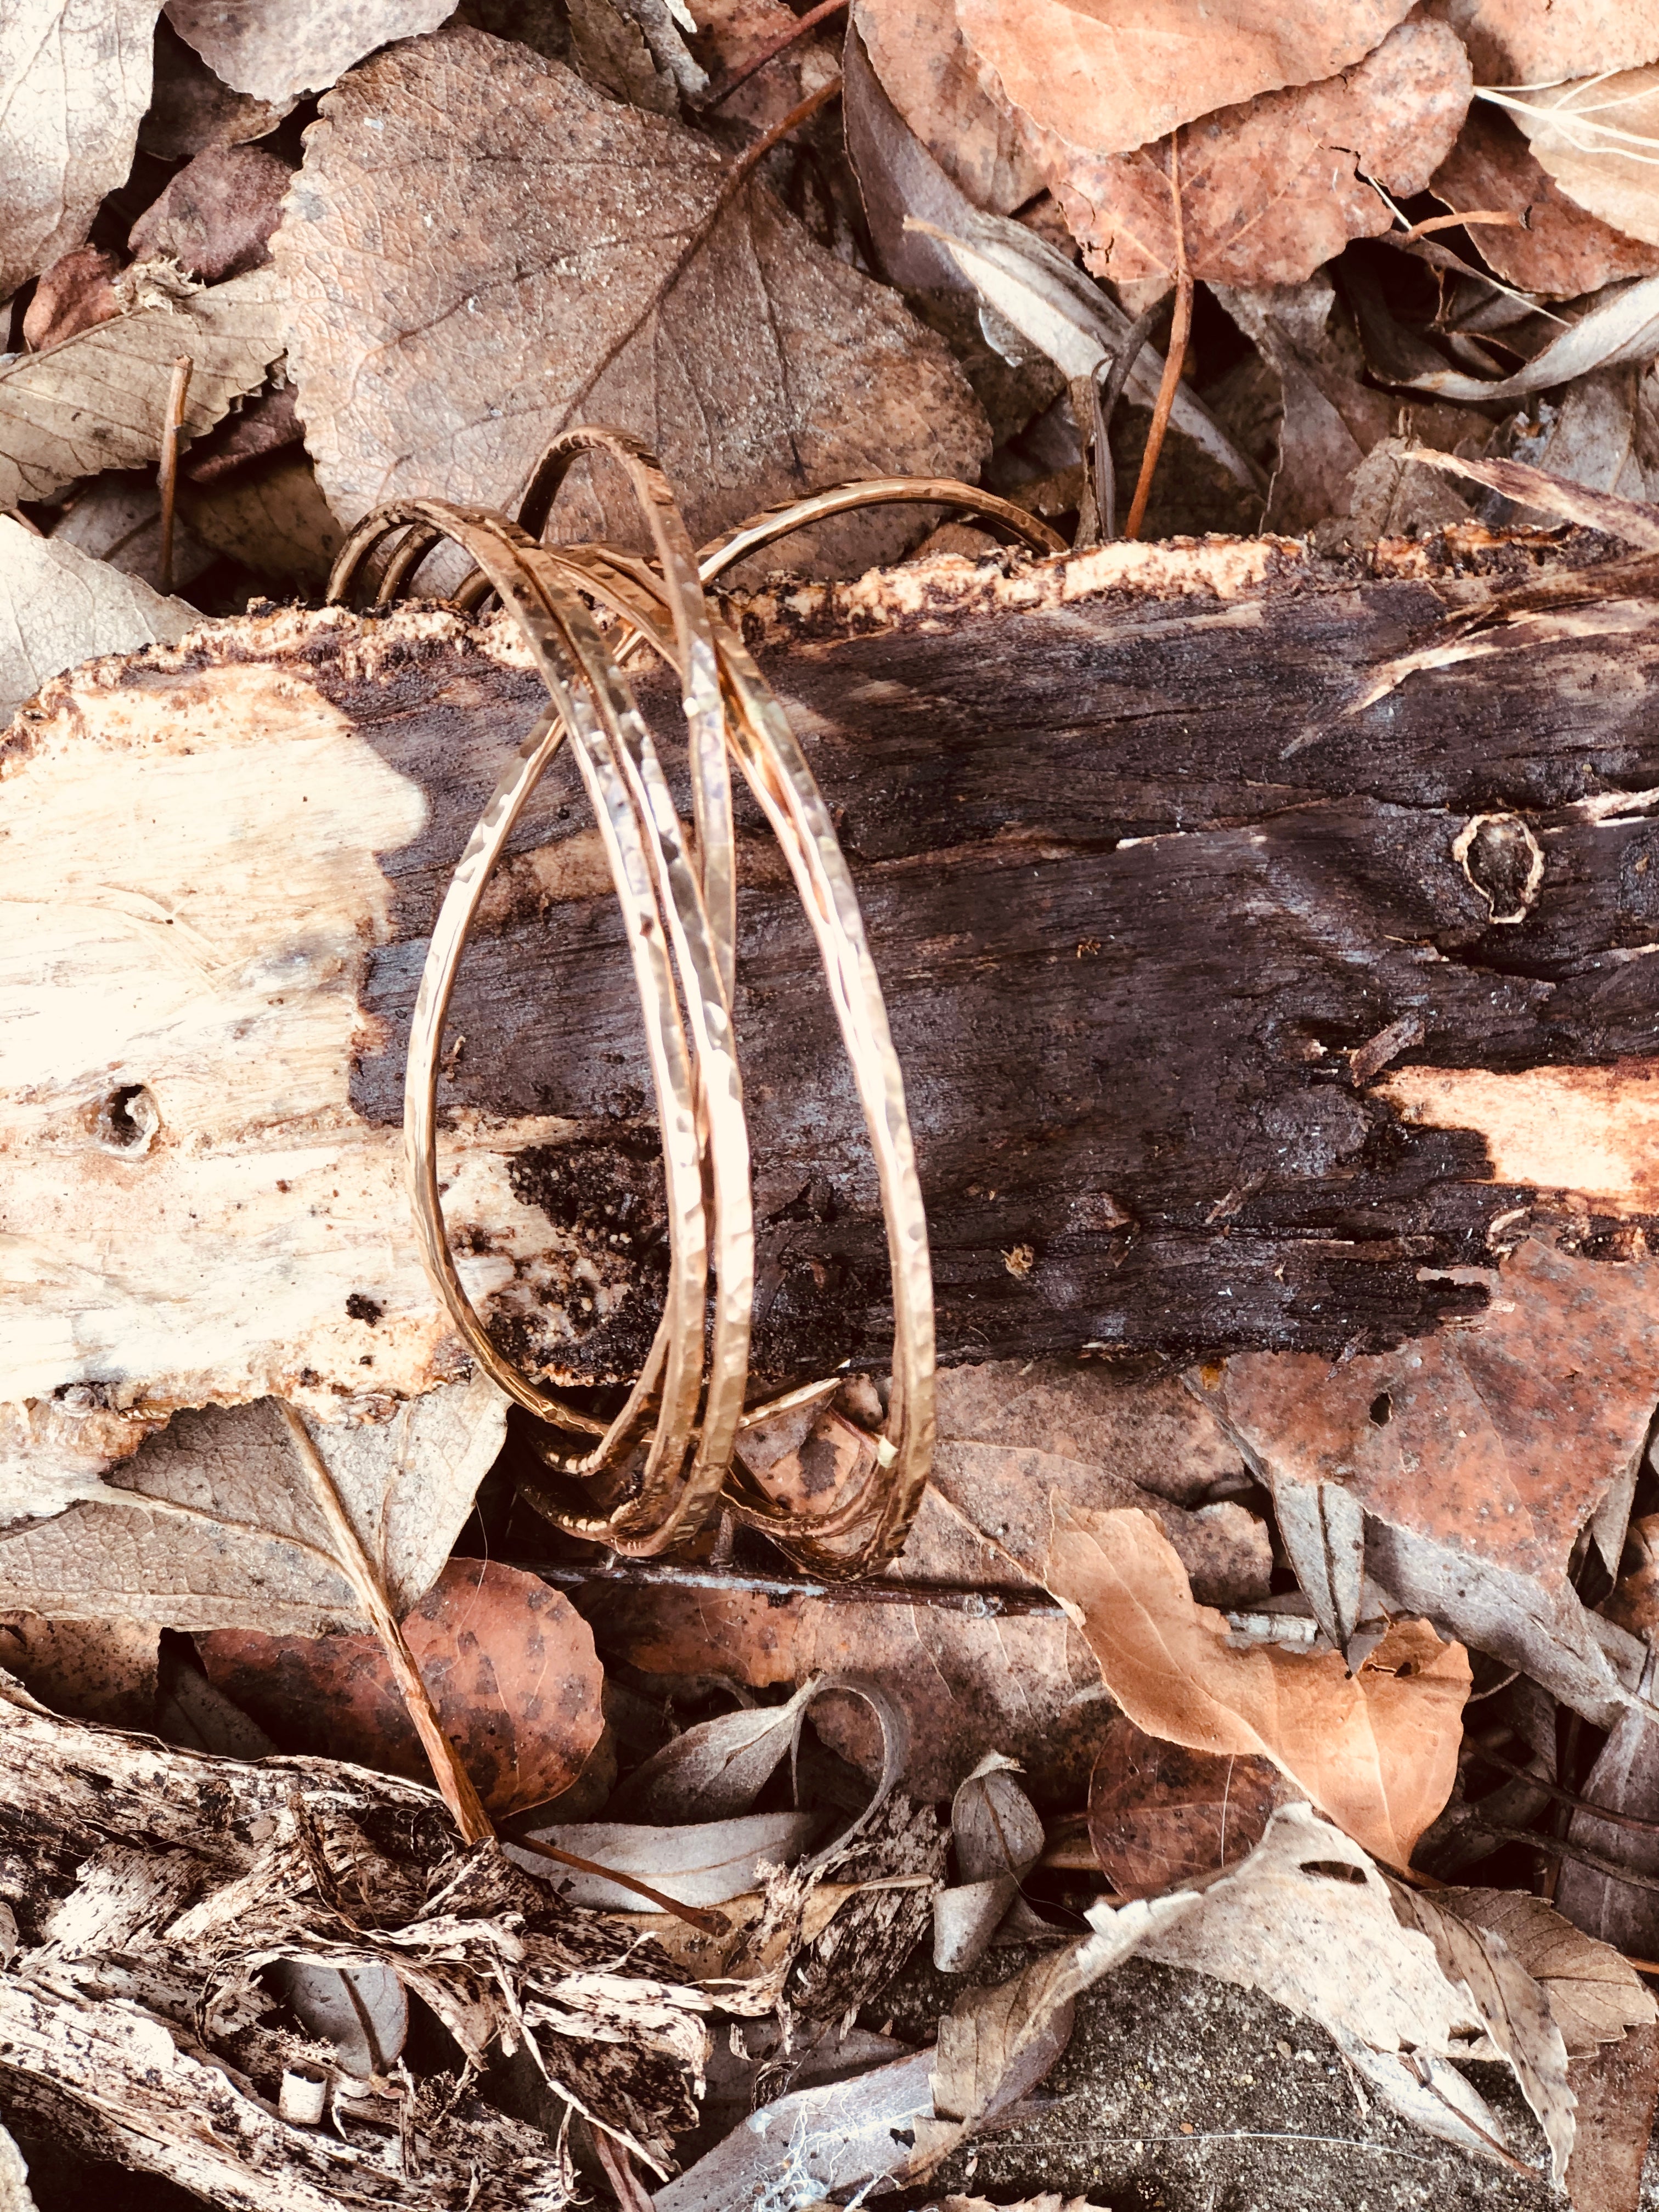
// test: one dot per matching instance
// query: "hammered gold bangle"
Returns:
(727, 705)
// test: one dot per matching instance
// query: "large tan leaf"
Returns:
(1273, 186)
(1106, 77)
(1376, 1748)
(275, 53)
(1542, 41)
(59, 607)
(1558, 248)
(98, 401)
(213, 1523)
(1596, 138)
(480, 251)
(75, 79)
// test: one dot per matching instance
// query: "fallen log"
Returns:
(1264, 949)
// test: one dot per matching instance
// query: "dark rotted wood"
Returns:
(1138, 880)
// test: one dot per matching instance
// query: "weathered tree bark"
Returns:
(1187, 873)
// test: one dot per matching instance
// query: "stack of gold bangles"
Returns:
(686, 1410)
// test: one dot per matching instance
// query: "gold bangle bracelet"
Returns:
(680, 920)
(563, 641)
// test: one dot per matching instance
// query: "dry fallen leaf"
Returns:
(1622, 326)
(1626, 1779)
(1515, 2009)
(97, 402)
(217, 215)
(213, 1523)
(275, 56)
(1596, 1997)
(1520, 42)
(190, 109)
(1557, 250)
(1308, 1920)
(732, 34)
(1595, 137)
(509, 1664)
(88, 1670)
(758, 365)
(716, 1769)
(917, 51)
(1272, 187)
(705, 1863)
(74, 294)
(58, 607)
(997, 1838)
(271, 516)
(1532, 1415)
(1160, 1814)
(75, 78)
(1106, 80)
(1376, 1748)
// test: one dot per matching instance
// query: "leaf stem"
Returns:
(808, 23)
(712, 1924)
(454, 1781)
(1179, 331)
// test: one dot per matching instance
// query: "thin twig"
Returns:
(654, 1574)
(752, 155)
(1106, 406)
(1553, 1789)
(1178, 333)
(1499, 218)
(167, 480)
(808, 23)
(452, 1779)
(712, 1924)
(1559, 1847)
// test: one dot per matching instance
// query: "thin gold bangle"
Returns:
(553, 623)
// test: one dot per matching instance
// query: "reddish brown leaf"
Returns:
(1542, 41)
(75, 293)
(1109, 77)
(1618, 2091)
(509, 1663)
(1271, 187)
(217, 215)
(1160, 1814)
(927, 70)
(1559, 249)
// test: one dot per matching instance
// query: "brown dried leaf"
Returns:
(1273, 186)
(509, 1663)
(716, 1769)
(272, 518)
(60, 607)
(89, 1670)
(927, 69)
(1531, 1412)
(98, 401)
(731, 33)
(190, 109)
(1160, 1814)
(1594, 1995)
(1108, 79)
(1376, 1748)
(1626, 1779)
(217, 214)
(74, 80)
(75, 293)
(1559, 249)
(755, 364)
(1520, 42)
(276, 56)
(1618, 2092)
(1633, 1602)
(1513, 2008)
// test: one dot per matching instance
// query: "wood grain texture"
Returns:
(1199, 1009)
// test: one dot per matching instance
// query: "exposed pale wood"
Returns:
(1156, 848)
